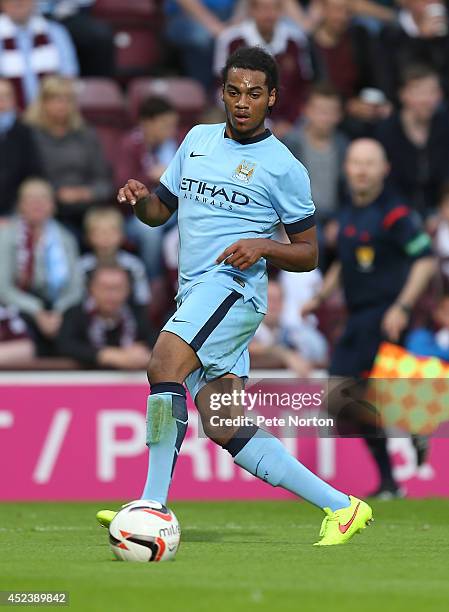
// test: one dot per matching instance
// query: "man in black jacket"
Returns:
(19, 158)
(104, 331)
(416, 140)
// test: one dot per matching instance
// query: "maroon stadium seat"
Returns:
(109, 137)
(185, 94)
(138, 50)
(101, 101)
(126, 11)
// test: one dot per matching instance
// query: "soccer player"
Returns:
(232, 185)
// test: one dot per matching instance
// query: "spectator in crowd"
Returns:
(93, 38)
(344, 53)
(104, 331)
(441, 237)
(192, 27)
(276, 346)
(420, 35)
(32, 47)
(145, 152)
(417, 140)
(104, 235)
(321, 147)
(19, 158)
(266, 28)
(73, 159)
(16, 345)
(432, 341)
(39, 274)
(384, 264)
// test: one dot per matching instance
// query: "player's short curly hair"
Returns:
(254, 58)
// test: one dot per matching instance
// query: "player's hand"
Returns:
(132, 192)
(394, 322)
(244, 253)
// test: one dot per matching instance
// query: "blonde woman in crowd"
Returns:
(71, 152)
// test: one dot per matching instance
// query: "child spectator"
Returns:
(104, 235)
(145, 152)
(104, 330)
(148, 149)
(39, 274)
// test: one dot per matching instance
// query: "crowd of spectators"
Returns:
(349, 69)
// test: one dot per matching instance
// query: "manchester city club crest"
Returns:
(244, 171)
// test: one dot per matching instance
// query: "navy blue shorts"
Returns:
(357, 348)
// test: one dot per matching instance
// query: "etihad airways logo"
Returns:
(208, 193)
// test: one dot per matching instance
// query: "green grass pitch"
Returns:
(234, 556)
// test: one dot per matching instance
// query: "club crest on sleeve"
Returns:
(244, 171)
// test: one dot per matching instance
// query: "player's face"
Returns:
(247, 100)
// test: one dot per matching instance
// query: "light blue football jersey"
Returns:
(226, 190)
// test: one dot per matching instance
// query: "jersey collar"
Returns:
(254, 139)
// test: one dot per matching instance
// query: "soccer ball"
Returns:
(144, 530)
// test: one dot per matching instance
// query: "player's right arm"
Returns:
(148, 207)
(331, 282)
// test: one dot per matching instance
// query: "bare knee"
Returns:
(172, 360)
(220, 407)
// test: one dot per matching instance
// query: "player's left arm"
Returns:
(301, 255)
(406, 230)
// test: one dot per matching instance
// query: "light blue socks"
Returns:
(266, 457)
(166, 428)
